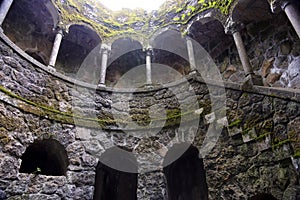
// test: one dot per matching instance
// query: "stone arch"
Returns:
(31, 27)
(47, 157)
(125, 55)
(164, 43)
(185, 176)
(116, 175)
(242, 11)
(263, 196)
(77, 43)
(134, 36)
(209, 33)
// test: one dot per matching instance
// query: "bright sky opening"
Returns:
(147, 5)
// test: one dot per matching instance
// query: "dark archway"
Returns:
(170, 50)
(186, 179)
(76, 45)
(210, 34)
(263, 196)
(126, 54)
(47, 157)
(116, 176)
(31, 27)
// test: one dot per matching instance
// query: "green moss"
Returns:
(262, 136)
(297, 154)
(281, 143)
(252, 121)
(4, 137)
(173, 115)
(246, 131)
(235, 123)
(107, 24)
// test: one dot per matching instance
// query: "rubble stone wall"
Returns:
(256, 152)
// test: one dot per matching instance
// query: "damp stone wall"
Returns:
(257, 150)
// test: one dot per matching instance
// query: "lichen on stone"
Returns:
(135, 23)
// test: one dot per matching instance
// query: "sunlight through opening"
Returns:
(132, 4)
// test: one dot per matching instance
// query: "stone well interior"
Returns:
(196, 100)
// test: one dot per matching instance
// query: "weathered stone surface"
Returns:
(266, 67)
(272, 78)
(290, 78)
(254, 150)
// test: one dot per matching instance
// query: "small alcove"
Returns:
(47, 157)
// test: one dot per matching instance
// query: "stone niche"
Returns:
(47, 157)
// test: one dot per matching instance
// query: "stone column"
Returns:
(234, 29)
(4, 8)
(105, 49)
(148, 66)
(291, 10)
(191, 54)
(55, 48)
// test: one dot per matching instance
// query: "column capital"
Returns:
(148, 50)
(60, 28)
(232, 26)
(278, 5)
(60, 31)
(105, 48)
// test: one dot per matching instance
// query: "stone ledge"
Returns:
(284, 93)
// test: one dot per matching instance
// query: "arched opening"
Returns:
(116, 176)
(37, 56)
(210, 34)
(263, 196)
(185, 174)
(75, 47)
(169, 50)
(126, 54)
(243, 11)
(47, 157)
(31, 27)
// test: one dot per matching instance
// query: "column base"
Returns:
(251, 80)
(192, 72)
(149, 86)
(257, 80)
(51, 68)
(101, 85)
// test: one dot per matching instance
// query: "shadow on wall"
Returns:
(263, 196)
